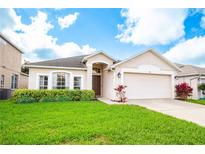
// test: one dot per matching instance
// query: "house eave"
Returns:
(54, 67)
(10, 42)
(187, 75)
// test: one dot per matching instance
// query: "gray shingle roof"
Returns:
(190, 70)
(75, 61)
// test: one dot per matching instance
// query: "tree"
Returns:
(25, 69)
(202, 88)
(183, 90)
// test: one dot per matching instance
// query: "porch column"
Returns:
(89, 76)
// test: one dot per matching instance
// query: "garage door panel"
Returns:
(147, 86)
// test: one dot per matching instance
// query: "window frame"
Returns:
(67, 80)
(39, 81)
(81, 81)
(14, 81)
(2, 80)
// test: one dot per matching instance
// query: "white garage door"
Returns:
(146, 86)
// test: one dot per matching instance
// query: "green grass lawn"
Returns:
(92, 123)
(196, 101)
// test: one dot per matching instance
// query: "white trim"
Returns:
(5, 38)
(55, 67)
(150, 50)
(133, 70)
(90, 72)
(61, 71)
(38, 77)
(100, 61)
(96, 53)
(81, 87)
(191, 74)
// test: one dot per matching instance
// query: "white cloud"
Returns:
(202, 23)
(34, 36)
(68, 20)
(9, 19)
(71, 48)
(152, 26)
(191, 51)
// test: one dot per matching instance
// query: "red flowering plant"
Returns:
(183, 90)
(120, 93)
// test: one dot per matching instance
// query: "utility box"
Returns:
(5, 94)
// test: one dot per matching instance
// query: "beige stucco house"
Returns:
(10, 65)
(192, 75)
(147, 75)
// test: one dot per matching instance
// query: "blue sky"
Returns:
(176, 33)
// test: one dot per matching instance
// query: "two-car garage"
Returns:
(147, 86)
(147, 75)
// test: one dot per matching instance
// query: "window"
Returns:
(14, 81)
(2, 81)
(61, 80)
(96, 70)
(77, 82)
(43, 82)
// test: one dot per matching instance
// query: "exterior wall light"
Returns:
(119, 75)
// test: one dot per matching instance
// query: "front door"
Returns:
(97, 84)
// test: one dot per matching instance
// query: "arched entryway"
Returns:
(97, 77)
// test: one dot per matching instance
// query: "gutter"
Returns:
(55, 67)
(190, 75)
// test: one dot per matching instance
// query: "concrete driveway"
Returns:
(179, 109)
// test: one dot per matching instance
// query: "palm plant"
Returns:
(202, 88)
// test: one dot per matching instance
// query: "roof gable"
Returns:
(151, 51)
(97, 53)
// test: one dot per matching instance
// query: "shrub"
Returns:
(30, 96)
(87, 95)
(74, 95)
(62, 99)
(183, 90)
(202, 88)
(47, 99)
(25, 99)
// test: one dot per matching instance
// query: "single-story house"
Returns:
(192, 75)
(147, 75)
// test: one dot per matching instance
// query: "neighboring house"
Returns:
(147, 75)
(23, 83)
(10, 65)
(192, 75)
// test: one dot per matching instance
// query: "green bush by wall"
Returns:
(30, 96)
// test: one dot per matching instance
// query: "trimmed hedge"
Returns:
(30, 96)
